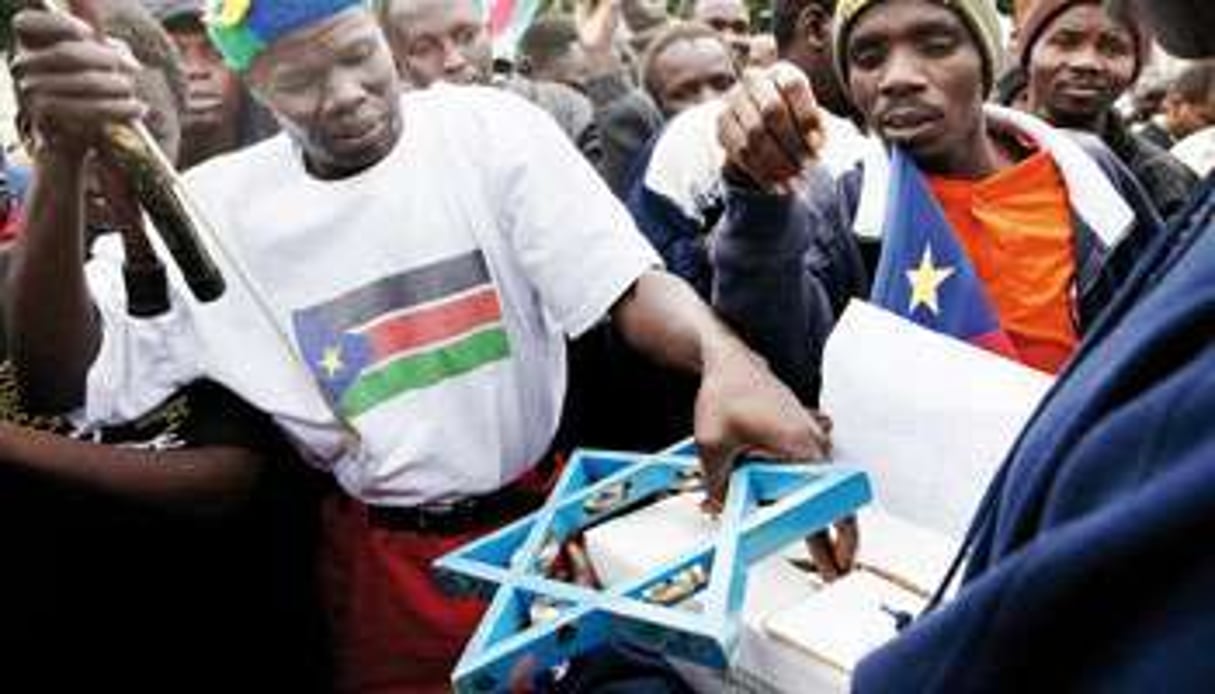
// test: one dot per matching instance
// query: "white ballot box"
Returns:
(929, 418)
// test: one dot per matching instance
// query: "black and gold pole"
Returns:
(157, 186)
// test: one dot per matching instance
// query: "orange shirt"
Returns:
(1016, 227)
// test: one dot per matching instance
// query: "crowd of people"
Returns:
(446, 269)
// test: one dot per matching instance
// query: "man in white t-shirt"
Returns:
(402, 273)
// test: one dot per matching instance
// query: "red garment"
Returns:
(393, 631)
(10, 222)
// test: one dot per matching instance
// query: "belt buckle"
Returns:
(437, 515)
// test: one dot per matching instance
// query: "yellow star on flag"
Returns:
(331, 361)
(925, 281)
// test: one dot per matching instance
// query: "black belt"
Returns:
(458, 517)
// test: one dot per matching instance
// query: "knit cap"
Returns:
(1044, 12)
(978, 15)
(242, 29)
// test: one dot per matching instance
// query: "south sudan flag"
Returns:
(403, 332)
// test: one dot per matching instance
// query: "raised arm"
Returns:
(784, 261)
(208, 482)
(69, 84)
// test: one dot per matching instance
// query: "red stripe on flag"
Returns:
(500, 16)
(433, 323)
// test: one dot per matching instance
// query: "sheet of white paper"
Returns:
(846, 620)
(928, 416)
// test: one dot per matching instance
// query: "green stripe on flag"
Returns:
(425, 369)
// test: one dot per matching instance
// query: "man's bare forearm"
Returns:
(52, 327)
(662, 317)
(207, 481)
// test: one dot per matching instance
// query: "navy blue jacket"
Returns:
(1091, 569)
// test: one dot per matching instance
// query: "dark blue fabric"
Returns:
(679, 239)
(780, 283)
(1092, 569)
(621, 668)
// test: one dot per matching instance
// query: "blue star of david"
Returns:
(767, 507)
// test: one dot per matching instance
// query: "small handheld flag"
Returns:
(924, 274)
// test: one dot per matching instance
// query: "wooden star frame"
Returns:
(550, 621)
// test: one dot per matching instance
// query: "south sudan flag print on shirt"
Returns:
(403, 332)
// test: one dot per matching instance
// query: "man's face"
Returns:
(728, 18)
(335, 91)
(691, 72)
(570, 68)
(916, 76)
(1082, 62)
(439, 40)
(213, 96)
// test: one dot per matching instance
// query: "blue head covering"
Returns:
(242, 29)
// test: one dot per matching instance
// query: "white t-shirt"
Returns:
(426, 298)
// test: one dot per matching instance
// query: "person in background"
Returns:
(1012, 89)
(1078, 61)
(219, 116)
(678, 195)
(1189, 116)
(1187, 105)
(581, 52)
(437, 41)
(446, 41)
(1144, 108)
(731, 19)
(687, 64)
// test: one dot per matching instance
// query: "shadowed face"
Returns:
(916, 75)
(690, 72)
(213, 91)
(1079, 65)
(728, 18)
(334, 88)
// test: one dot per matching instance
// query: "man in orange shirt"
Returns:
(1049, 224)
